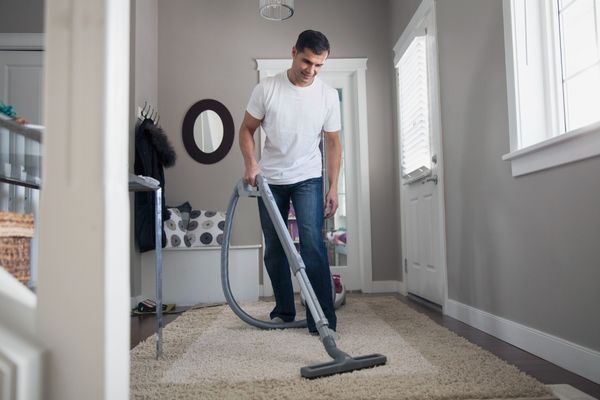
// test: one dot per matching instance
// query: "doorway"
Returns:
(351, 259)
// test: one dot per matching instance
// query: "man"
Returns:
(293, 108)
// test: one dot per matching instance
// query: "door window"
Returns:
(413, 104)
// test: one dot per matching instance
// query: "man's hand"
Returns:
(250, 174)
(331, 203)
(334, 159)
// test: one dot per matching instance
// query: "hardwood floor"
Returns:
(143, 326)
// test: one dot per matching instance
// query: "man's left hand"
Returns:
(331, 203)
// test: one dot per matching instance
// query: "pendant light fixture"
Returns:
(276, 10)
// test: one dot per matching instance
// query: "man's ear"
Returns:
(294, 51)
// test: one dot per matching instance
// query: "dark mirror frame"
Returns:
(187, 131)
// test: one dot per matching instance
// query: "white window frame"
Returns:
(558, 149)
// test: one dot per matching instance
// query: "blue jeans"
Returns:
(307, 198)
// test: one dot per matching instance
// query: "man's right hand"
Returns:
(250, 175)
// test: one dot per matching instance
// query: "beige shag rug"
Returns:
(211, 354)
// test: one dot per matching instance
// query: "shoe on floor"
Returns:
(277, 320)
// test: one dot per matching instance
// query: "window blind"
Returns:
(414, 110)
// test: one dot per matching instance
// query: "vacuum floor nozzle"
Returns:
(348, 364)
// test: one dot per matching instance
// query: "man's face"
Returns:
(306, 65)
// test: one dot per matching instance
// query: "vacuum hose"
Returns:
(246, 190)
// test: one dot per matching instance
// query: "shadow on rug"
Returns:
(211, 354)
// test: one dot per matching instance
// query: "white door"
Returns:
(420, 165)
(21, 86)
(424, 275)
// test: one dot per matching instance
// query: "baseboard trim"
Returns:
(571, 356)
(261, 290)
(386, 287)
(402, 287)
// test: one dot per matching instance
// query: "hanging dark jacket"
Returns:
(153, 152)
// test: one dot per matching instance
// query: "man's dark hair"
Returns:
(313, 40)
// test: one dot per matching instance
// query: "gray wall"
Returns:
(20, 16)
(525, 248)
(206, 49)
(400, 12)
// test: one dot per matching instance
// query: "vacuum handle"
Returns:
(289, 248)
(245, 190)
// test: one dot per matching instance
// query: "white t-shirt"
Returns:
(292, 119)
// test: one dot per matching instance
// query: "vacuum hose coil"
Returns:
(245, 190)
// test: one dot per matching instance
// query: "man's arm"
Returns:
(334, 159)
(247, 146)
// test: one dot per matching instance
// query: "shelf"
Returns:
(138, 183)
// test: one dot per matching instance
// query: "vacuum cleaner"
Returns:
(342, 362)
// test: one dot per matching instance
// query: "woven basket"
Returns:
(16, 231)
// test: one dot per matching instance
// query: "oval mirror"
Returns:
(207, 131)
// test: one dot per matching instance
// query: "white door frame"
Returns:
(356, 69)
(426, 10)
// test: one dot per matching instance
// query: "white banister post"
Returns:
(83, 282)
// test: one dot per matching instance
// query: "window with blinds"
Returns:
(579, 31)
(413, 106)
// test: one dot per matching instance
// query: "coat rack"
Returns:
(149, 113)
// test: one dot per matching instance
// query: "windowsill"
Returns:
(573, 146)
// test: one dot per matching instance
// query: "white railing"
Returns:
(20, 172)
(20, 166)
